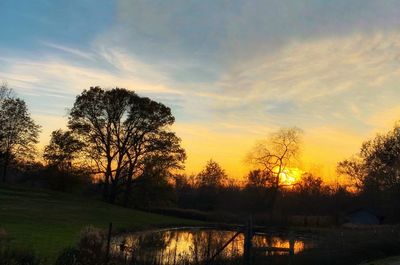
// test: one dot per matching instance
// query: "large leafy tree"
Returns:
(18, 131)
(377, 166)
(122, 133)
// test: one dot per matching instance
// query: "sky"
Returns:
(231, 71)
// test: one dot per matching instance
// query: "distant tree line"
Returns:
(257, 194)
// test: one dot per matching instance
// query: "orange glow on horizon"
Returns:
(322, 148)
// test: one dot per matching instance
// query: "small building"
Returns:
(363, 217)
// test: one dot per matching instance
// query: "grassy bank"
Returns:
(48, 221)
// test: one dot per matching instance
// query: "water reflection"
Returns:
(192, 246)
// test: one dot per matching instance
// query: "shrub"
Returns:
(91, 246)
(89, 251)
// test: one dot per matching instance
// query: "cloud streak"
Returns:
(326, 79)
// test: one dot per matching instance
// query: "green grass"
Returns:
(46, 221)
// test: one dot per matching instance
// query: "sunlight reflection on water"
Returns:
(192, 245)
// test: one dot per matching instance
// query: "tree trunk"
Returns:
(274, 197)
(4, 173)
(107, 178)
(113, 191)
(105, 187)
(128, 188)
(5, 166)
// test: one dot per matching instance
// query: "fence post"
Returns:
(108, 243)
(291, 247)
(248, 235)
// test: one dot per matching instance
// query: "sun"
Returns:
(290, 176)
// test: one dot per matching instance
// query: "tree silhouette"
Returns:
(18, 132)
(63, 148)
(212, 175)
(260, 179)
(310, 185)
(355, 169)
(276, 155)
(5, 92)
(377, 166)
(122, 131)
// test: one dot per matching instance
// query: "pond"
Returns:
(194, 245)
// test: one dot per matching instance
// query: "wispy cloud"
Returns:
(69, 50)
(50, 84)
(326, 78)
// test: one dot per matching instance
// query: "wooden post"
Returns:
(108, 243)
(291, 247)
(248, 236)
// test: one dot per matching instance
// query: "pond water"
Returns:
(194, 245)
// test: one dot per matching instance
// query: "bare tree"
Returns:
(276, 154)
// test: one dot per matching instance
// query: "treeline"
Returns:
(255, 195)
(120, 146)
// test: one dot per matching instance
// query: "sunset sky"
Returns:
(232, 71)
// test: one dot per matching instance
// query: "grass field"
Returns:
(46, 221)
